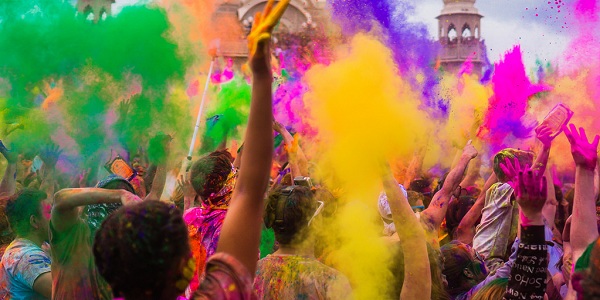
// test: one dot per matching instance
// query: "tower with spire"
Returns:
(459, 34)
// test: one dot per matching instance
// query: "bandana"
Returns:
(220, 200)
(114, 178)
(96, 213)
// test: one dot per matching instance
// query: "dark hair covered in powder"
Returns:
(209, 173)
(288, 215)
(139, 248)
(21, 206)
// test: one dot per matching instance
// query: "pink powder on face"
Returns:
(46, 210)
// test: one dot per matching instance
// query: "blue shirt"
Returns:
(22, 263)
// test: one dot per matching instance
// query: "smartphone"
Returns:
(120, 167)
(557, 118)
(36, 164)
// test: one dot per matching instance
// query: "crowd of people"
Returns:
(518, 236)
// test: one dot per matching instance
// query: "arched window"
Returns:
(466, 31)
(477, 32)
(88, 13)
(103, 14)
(452, 34)
(87, 9)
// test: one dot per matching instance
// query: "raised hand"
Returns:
(278, 127)
(11, 156)
(260, 35)
(292, 148)
(50, 155)
(531, 192)
(511, 171)
(469, 150)
(585, 154)
(185, 184)
(124, 109)
(544, 134)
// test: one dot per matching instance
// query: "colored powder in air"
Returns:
(50, 44)
(585, 44)
(576, 85)
(365, 113)
(290, 110)
(144, 48)
(228, 114)
(578, 91)
(413, 50)
(196, 23)
(468, 101)
(84, 109)
(505, 116)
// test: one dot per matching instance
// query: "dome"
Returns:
(459, 7)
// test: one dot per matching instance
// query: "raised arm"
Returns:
(237, 162)
(158, 183)
(9, 181)
(415, 164)
(436, 212)
(297, 159)
(189, 194)
(466, 229)
(583, 229)
(49, 156)
(597, 175)
(532, 254)
(551, 205)
(512, 168)
(240, 234)
(544, 136)
(417, 273)
(162, 142)
(66, 201)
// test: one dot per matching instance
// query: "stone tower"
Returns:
(459, 34)
(96, 7)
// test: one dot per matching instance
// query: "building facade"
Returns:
(459, 34)
(300, 16)
(96, 8)
(459, 27)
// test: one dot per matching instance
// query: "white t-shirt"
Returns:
(499, 221)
